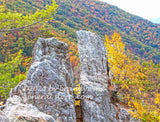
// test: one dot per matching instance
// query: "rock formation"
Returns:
(48, 85)
(95, 96)
(95, 99)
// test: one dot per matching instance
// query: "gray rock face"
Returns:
(3, 117)
(18, 112)
(92, 53)
(49, 81)
(124, 116)
(95, 99)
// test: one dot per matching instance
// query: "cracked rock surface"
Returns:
(96, 104)
(49, 81)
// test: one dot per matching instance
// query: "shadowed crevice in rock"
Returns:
(49, 81)
(79, 116)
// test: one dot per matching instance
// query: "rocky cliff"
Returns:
(47, 93)
(49, 81)
(96, 103)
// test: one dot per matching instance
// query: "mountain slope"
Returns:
(142, 37)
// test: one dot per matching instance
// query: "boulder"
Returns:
(16, 111)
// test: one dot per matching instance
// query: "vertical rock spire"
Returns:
(49, 81)
(95, 97)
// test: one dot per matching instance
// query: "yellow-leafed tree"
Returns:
(135, 80)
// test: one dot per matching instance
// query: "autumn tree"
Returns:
(11, 21)
(11, 74)
(13, 66)
(137, 80)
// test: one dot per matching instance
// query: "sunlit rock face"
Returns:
(16, 111)
(3, 117)
(49, 81)
(96, 104)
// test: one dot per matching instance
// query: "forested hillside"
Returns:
(141, 36)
